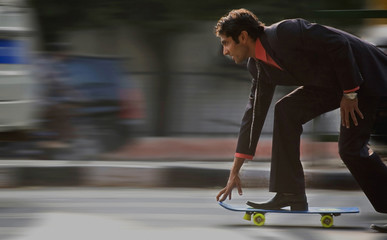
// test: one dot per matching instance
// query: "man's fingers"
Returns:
(223, 194)
(239, 189)
(349, 110)
(359, 113)
(346, 117)
(354, 119)
(227, 191)
(342, 117)
(220, 194)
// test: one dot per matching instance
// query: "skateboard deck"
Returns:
(258, 215)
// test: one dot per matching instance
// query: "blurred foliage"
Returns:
(170, 15)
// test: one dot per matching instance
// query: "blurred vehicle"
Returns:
(40, 117)
(18, 88)
(89, 105)
(107, 102)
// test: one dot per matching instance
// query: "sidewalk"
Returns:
(176, 162)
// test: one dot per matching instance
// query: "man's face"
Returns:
(237, 51)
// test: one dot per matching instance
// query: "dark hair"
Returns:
(238, 20)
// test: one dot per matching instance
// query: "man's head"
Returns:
(238, 31)
(238, 20)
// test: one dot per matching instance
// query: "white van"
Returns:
(18, 88)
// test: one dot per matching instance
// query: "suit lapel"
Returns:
(269, 41)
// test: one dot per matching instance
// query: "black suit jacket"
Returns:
(310, 55)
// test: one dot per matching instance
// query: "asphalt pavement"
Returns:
(171, 213)
(176, 162)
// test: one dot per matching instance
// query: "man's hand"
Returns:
(348, 107)
(233, 181)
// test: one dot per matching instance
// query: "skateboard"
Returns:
(258, 215)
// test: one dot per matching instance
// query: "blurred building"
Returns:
(18, 88)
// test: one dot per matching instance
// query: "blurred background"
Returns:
(83, 78)
(135, 95)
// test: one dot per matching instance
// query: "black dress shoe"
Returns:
(297, 202)
(380, 228)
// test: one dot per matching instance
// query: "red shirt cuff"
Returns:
(352, 90)
(246, 156)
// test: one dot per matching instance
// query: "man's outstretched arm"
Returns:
(233, 181)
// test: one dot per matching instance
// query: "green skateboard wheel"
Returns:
(259, 219)
(327, 221)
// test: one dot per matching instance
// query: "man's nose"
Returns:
(225, 51)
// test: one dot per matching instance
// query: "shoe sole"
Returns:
(293, 207)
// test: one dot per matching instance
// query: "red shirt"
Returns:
(261, 54)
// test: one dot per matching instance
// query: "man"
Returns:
(335, 70)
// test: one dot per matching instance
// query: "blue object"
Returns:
(11, 52)
(311, 210)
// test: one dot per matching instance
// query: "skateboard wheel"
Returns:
(247, 216)
(259, 219)
(327, 221)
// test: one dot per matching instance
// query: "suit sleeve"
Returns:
(326, 41)
(253, 120)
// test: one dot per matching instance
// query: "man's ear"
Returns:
(243, 36)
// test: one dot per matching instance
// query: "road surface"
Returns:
(177, 213)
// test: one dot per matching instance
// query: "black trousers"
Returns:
(306, 103)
